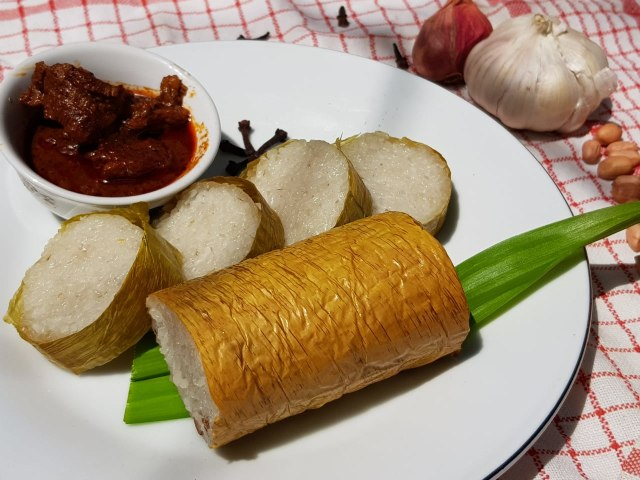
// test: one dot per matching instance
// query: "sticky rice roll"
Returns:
(311, 185)
(218, 222)
(82, 303)
(295, 328)
(402, 175)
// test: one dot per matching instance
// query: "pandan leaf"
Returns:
(495, 277)
(492, 280)
(148, 362)
(154, 399)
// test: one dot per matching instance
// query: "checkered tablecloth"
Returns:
(596, 433)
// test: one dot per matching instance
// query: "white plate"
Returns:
(461, 418)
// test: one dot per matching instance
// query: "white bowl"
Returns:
(116, 64)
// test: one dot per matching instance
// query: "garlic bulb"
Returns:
(536, 73)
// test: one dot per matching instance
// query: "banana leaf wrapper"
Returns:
(358, 203)
(296, 328)
(123, 323)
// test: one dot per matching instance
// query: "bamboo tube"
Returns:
(295, 328)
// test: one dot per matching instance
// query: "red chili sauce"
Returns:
(100, 139)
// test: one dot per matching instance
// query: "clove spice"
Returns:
(245, 130)
(401, 60)
(264, 36)
(343, 19)
(248, 153)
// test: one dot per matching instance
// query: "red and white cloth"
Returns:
(596, 434)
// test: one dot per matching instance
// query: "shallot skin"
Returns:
(446, 38)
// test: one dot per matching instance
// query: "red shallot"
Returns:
(446, 38)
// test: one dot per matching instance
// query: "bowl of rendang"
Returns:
(92, 126)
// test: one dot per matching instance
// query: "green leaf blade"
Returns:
(148, 362)
(519, 263)
(153, 399)
(152, 395)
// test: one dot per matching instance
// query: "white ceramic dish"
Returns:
(462, 418)
(112, 63)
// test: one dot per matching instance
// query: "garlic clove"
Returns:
(543, 96)
(585, 60)
(580, 56)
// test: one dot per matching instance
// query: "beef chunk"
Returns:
(73, 97)
(148, 115)
(152, 114)
(126, 157)
(172, 91)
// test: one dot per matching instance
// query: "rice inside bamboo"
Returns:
(402, 175)
(311, 185)
(218, 222)
(296, 328)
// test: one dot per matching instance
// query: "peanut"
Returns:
(633, 237)
(626, 188)
(634, 154)
(611, 167)
(591, 152)
(608, 133)
(621, 146)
